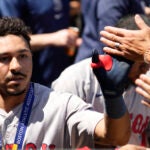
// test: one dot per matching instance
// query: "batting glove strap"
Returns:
(115, 108)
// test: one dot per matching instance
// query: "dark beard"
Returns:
(16, 94)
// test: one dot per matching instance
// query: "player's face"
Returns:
(137, 69)
(15, 65)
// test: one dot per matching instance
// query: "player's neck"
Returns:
(10, 102)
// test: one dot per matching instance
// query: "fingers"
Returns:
(115, 31)
(146, 103)
(115, 34)
(108, 42)
(140, 22)
(111, 40)
(112, 51)
(113, 47)
(144, 79)
(109, 36)
(143, 84)
(143, 93)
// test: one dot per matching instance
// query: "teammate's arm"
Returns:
(111, 73)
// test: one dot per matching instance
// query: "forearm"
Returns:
(62, 38)
(39, 41)
(119, 130)
(117, 121)
(113, 131)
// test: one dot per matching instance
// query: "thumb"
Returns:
(140, 22)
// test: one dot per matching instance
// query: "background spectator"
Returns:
(49, 22)
(100, 13)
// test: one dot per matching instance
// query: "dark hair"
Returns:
(15, 26)
(128, 22)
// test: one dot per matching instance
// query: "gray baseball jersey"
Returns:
(57, 120)
(80, 80)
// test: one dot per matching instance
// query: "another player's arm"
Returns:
(113, 131)
(112, 73)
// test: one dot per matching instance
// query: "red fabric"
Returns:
(105, 61)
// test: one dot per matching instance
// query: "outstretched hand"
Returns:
(133, 43)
